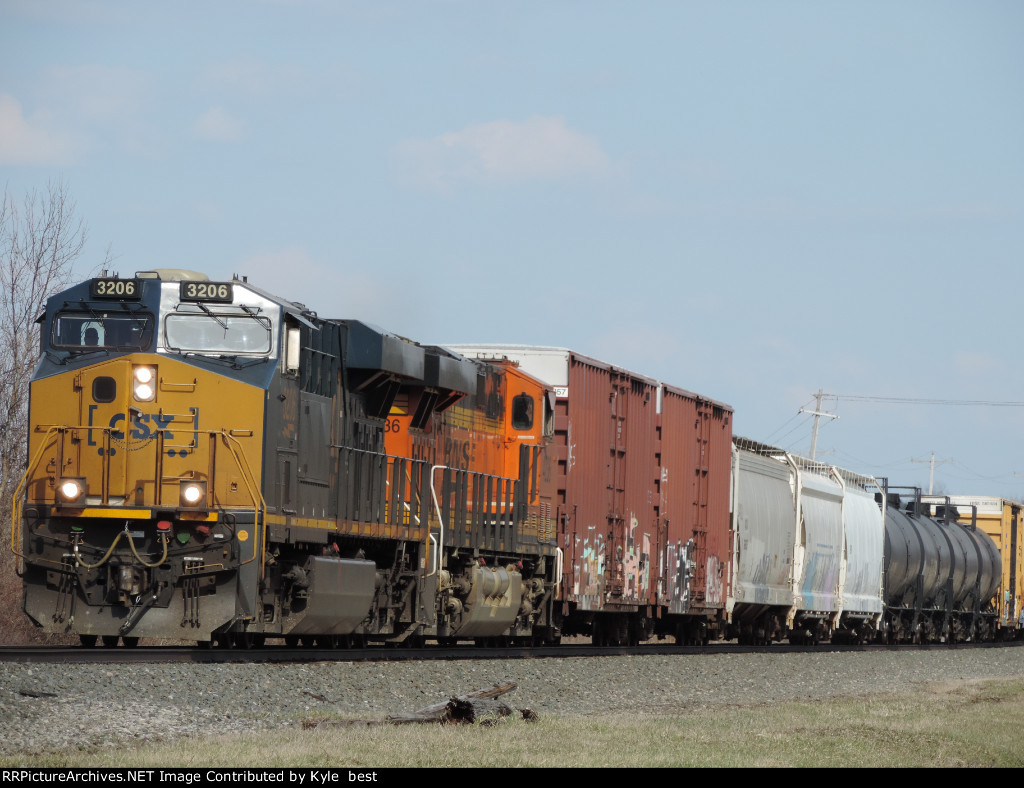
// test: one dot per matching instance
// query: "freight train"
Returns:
(210, 462)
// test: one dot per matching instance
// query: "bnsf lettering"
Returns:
(456, 454)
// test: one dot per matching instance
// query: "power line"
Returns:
(925, 401)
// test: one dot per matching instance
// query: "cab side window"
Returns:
(522, 412)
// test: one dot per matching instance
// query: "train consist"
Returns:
(210, 462)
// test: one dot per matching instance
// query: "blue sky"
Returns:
(751, 200)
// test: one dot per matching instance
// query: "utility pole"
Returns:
(817, 413)
(931, 471)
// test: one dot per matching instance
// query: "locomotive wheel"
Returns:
(291, 641)
(87, 641)
(130, 642)
(109, 641)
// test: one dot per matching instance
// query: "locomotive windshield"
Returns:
(102, 330)
(198, 329)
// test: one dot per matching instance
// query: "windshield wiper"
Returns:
(206, 309)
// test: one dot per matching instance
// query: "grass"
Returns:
(955, 724)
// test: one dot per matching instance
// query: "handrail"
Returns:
(19, 491)
(259, 503)
(799, 551)
(440, 520)
(843, 563)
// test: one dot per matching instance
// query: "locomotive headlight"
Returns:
(144, 383)
(192, 494)
(71, 491)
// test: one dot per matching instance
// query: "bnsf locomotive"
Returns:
(210, 462)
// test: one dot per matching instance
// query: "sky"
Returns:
(754, 201)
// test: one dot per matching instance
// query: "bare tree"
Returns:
(40, 239)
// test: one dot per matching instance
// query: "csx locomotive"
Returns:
(210, 462)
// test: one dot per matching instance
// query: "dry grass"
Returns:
(954, 724)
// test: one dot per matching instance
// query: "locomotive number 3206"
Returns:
(207, 291)
(114, 288)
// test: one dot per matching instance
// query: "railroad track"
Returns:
(286, 654)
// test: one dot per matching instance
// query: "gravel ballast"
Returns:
(46, 707)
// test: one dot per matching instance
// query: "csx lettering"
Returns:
(141, 430)
(144, 426)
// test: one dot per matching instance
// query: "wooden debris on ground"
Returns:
(480, 706)
(30, 693)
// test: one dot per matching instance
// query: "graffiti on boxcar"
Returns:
(589, 580)
(819, 579)
(855, 583)
(759, 578)
(715, 590)
(636, 562)
(679, 558)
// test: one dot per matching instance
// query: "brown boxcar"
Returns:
(695, 457)
(643, 497)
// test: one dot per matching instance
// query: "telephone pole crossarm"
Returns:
(817, 413)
